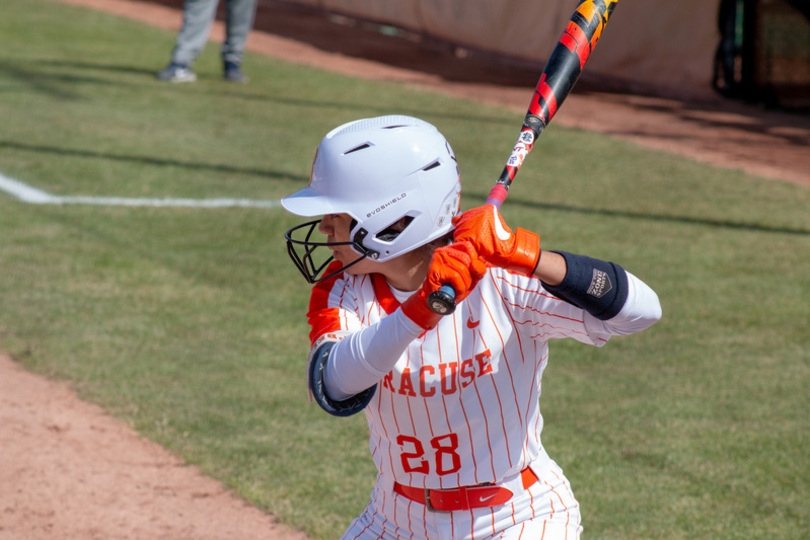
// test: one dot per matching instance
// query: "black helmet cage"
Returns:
(304, 261)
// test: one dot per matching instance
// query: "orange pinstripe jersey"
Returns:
(460, 407)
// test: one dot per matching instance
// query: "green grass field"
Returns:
(188, 323)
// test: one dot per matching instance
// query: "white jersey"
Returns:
(460, 407)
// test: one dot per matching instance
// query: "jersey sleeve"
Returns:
(546, 316)
(641, 309)
(540, 315)
(332, 317)
(332, 308)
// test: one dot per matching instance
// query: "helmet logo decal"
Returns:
(387, 204)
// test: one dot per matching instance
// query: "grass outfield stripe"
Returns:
(32, 195)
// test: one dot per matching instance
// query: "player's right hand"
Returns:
(457, 265)
(488, 233)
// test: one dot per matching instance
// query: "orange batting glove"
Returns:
(457, 265)
(485, 229)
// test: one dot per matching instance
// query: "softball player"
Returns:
(451, 402)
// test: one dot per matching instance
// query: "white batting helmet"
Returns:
(381, 171)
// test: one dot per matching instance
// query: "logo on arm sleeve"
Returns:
(600, 284)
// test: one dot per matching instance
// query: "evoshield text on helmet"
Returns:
(396, 176)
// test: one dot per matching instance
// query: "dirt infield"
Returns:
(68, 471)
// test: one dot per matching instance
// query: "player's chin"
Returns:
(355, 264)
(342, 257)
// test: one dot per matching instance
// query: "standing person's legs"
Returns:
(198, 15)
(238, 23)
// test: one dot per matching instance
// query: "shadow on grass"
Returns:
(49, 84)
(147, 160)
(116, 68)
(367, 109)
(703, 222)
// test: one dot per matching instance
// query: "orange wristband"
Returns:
(526, 253)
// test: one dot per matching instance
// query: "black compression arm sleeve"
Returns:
(598, 287)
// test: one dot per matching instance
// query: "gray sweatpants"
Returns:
(198, 16)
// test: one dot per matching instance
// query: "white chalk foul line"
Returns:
(32, 195)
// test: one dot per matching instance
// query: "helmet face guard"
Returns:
(301, 247)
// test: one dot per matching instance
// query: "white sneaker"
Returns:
(177, 73)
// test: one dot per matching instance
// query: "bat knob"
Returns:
(442, 301)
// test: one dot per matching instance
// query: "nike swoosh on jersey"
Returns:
(499, 230)
(471, 323)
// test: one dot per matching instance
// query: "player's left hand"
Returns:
(457, 265)
(488, 233)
